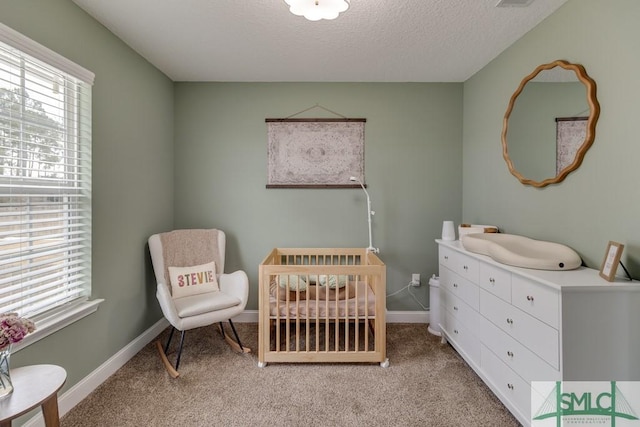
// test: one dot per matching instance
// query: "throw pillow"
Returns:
(194, 280)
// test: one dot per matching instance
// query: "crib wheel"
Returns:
(262, 364)
(385, 364)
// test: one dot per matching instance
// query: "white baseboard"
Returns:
(82, 389)
(247, 316)
(407, 317)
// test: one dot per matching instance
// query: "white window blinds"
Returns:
(45, 178)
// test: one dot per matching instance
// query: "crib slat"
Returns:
(337, 322)
(346, 316)
(326, 322)
(298, 315)
(287, 305)
(366, 317)
(317, 320)
(307, 323)
(357, 320)
(277, 315)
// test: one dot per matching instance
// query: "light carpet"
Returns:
(426, 384)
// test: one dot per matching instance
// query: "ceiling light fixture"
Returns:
(315, 10)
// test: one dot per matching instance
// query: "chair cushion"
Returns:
(204, 303)
(193, 280)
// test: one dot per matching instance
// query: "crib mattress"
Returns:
(362, 302)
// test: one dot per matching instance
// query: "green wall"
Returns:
(531, 134)
(132, 181)
(598, 202)
(413, 158)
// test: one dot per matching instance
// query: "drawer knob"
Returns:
(492, 280)
(446, 257)
(455, 285)
(455, 307)
(509, 321)
(455, 331)
(465, 267)
(510, 386)
(529, 298)
(510, 353)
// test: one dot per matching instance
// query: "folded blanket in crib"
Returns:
(340, 303)
(312, 292)
(299, 282)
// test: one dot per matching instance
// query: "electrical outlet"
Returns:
(415, 279)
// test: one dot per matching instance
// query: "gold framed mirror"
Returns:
(547, 132)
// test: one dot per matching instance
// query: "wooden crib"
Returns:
(322, 305)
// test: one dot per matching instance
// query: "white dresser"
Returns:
(515, 325)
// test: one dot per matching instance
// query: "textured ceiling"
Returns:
(373, 41)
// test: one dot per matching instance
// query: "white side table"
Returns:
(32, 386)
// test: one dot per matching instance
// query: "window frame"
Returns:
(57, 318)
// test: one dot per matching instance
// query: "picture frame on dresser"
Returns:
(611, 260)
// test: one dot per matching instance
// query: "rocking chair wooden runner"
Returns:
(192, 289)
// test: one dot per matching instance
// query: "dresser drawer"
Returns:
(513, 354)
(464, 265)
(468, 268)
(460, 287)
(537, 336)
(446, 257)
(495, 280)
(540, 301)
(459, 309)
(462, 337)
(512, 387)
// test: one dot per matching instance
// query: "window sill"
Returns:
(58, 319)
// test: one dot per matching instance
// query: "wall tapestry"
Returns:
(315, 153)
(571, 133)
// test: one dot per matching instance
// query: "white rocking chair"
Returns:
(187, 248)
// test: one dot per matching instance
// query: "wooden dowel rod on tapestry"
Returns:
(323, 120)
(572, 119)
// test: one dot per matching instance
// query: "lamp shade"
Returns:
(315, 10)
